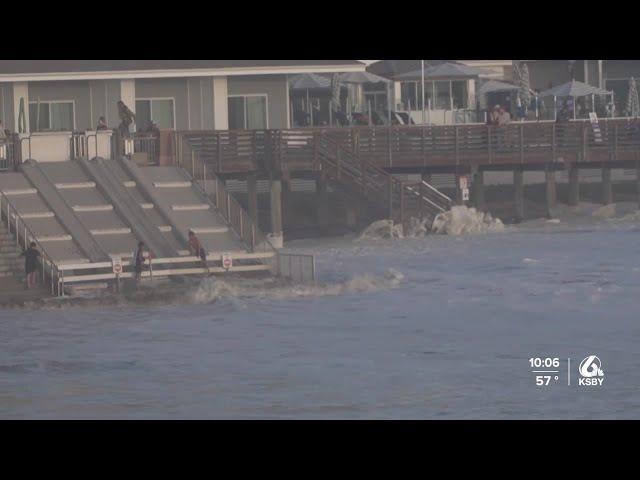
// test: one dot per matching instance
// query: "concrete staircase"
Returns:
(11, 264)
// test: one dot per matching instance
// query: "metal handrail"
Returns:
(245, 224)
(20, 224)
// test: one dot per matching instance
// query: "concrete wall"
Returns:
(193, 99)
(78, 92)
(104, 98)
(274, 86)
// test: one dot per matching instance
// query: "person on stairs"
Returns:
(31, 255)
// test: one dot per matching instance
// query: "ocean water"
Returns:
(439, 327)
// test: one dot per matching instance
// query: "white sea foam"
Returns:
(462, 220)
(211, 289)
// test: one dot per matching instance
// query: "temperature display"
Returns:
(546, 370)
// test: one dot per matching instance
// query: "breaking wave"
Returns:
(211, 289)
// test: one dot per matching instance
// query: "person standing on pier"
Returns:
(31, 255)
(127, 117)
(197, 250)
(138, 261)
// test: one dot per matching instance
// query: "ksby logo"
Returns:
(591, 371)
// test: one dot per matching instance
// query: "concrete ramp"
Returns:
(40, 219)
(119, 190)
(93, 210)
(184, 207)
(66, 217)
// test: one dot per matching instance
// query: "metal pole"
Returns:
(423, 107)
(613, 105)
(389, 100)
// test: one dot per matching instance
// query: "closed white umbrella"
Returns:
(633, 103)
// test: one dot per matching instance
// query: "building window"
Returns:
(377, 100)
(459, 94)
(51, 116)
(442, 94)
(158, 110)
(409, 95)
(248, 112)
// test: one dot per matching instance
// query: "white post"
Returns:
(423, 106)
(220, 103)
(128, 96)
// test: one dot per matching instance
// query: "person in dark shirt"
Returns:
(31, 255)
(127, 117)
(196, 249)
(138, 261)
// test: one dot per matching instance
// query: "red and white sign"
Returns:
(116, 264)
(227, 261)
(464, 182)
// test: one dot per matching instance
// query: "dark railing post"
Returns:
(279, 145)
(218, 152)
(424, 159)
(390, 197)
(584, 142)
(521, 143)
(455, 144)
(316, 139)
(615, 141)
(390, 162)
(401, 203)
(489, 143)
(553, 142)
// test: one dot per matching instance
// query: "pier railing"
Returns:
(230, 151)
(214, 189)
(24, 236)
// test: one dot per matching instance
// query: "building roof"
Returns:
(29, 70)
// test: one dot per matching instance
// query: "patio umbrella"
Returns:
(574, 89)
(307, 82)
(22, 124)
(524, 84)
(633, 103)
(494, 86)
(516, 72)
